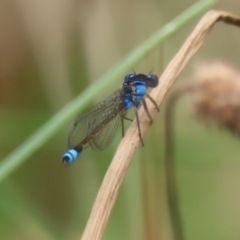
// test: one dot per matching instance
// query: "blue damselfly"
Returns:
(99, 126)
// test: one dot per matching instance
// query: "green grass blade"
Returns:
(41, 136)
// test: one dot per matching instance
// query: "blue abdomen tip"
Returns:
(70, 156)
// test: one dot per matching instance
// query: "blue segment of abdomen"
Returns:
(132, 98)
(70, 156)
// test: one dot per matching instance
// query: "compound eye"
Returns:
(129, 77)
(149, 76)
(152, 80)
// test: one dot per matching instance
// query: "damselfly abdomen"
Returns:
(99, 126)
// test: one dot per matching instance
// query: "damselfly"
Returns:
(99, 126)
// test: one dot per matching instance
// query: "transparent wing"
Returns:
(105, 115)
(106, 136)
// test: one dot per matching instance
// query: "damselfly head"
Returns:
(151, 80)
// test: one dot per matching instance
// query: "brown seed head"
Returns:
(216, 98)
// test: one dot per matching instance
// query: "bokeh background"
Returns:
(52, 50)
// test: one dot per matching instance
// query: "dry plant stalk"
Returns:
(170, 168)
(109, 189)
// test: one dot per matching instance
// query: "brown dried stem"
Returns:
(128, 146)
(171, 181)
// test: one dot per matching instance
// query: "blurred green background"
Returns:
(50, 51)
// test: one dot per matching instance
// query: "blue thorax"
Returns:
(135, 87)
